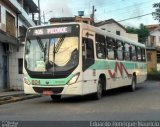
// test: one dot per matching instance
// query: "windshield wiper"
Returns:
(40, 44)
(57, 47)
(42, 47)
(59, 44)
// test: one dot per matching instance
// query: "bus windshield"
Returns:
(51, 54)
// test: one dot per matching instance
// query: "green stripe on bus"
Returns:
(100, 65)
(52, 82)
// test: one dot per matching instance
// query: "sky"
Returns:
(105, 9)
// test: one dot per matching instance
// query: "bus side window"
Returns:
(100, 47)
(110, 48)
(87, 52)
(133, 53)
(139, 54)
(143, 55)
(127, 52)
(120, 49)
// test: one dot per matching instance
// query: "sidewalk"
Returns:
(14, 96)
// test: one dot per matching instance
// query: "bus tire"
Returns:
(132, 87)
(56, 97)
(98, 94)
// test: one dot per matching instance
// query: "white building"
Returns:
(154, 41)
(15, 17)
(112, 26)
(154, 38)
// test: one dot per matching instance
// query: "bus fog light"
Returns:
(74, 79)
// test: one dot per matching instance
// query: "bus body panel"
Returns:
(117, 73)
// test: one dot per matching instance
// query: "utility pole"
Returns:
(44, 17)
(93, 14)
(39, 12)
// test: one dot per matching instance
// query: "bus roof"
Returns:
(97, 30)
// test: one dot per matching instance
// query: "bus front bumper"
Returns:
(74, 89)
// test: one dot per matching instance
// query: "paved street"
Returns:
(144, 104)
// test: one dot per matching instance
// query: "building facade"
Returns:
(71, 19)
(15, 17)
(114, 27)
(154, 43)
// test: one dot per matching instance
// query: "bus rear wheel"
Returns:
(98, 94)
(56, 97)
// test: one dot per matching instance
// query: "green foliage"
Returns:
(142, 32)
(156, 14)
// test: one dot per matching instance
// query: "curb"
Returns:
(16, 98)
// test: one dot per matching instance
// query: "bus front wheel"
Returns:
(133, 85)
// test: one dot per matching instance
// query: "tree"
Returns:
(142, 32)
(156, 14)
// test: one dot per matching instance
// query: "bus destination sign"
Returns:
(52, 30)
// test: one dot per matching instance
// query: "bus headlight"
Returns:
(74, 79)
(35, 82)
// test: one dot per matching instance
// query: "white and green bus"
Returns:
(70, 59)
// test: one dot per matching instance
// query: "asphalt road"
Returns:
(143, 104)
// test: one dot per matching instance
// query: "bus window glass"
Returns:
(111, 48)
(139, 53)
(143, 54)
(100, 47)
(89, 49)
(133, 54)
(127, 52)
(51, 54)
(88, 53)
(120, 50)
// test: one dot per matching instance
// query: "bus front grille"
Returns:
(55, 90)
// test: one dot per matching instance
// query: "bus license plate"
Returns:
(47, 93)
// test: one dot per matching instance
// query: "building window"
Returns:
(118, 33)
(22, 33)
(20, 66)
(10, 24)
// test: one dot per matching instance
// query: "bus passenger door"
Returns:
(87, 64)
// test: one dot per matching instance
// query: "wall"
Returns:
(113, 27)
(15, 79)
(24, 15)
(133, 37)
(1, 67)
(156, 33)
(152, 63)
(5, 8)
